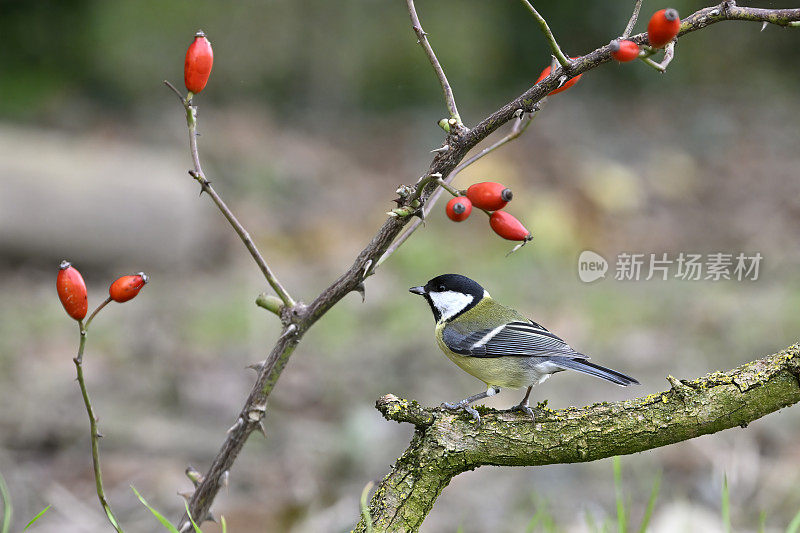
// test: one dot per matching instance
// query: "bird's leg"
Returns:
(464, 404)
(524, 407)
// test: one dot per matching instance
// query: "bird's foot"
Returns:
(463, 406)
(525, 408)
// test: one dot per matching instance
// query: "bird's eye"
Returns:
(441, 288)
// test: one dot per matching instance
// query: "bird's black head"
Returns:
(450, 295)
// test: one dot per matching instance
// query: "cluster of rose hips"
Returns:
(489, 196)
(662, 28)
(72, 289)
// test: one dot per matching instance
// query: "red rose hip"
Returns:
(458, 208)
(72, 291)
(567, 84)
(664, 25)
(624, 51)
(508, 227)
(489, 195)
(199, 59)
(127, 287)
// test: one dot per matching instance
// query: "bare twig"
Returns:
(557, 53)
(443, 163)
(449, 99)
(632, 22)
(197, 174)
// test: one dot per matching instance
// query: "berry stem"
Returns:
(85, 327)
(669, 54)
(93, 431)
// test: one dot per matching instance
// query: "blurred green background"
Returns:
(314, 113)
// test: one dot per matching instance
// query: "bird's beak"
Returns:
(417, 290)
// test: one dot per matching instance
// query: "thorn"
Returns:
(764, 25)
(186, 495)
(262, 428)
(237, 425)
(441, 150)
(289, 331)
(367, 266)
(257, 366)
(223, 482)
(99, 435)
(518, 113)
(361, 289)
(398, 201)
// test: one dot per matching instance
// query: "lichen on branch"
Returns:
(446, 444)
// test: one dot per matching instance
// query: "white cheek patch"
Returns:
(450, 303)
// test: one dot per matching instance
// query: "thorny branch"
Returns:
(94, 431)
(298, 318)
(205, 184)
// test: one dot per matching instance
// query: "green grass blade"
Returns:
(794, 525)
(223, 523)
(7, 509)
(762, 521)
(194, 524)
(622, 525)
(164, 522)
(35, 518)
(726, 505)
(365, 507)
(651, 504)
(591, 523)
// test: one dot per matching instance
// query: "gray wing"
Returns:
(522, 339)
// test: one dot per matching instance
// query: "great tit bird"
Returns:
(498, 345)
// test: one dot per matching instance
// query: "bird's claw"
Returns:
(525, 409)
(463, 406)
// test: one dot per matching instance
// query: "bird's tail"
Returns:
(582, 365)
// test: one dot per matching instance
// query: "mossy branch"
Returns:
(446, 444)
